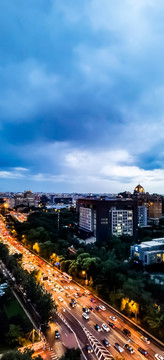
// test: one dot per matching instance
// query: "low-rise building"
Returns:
(149, 252)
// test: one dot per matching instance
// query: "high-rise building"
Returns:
(102, 218)
(142, 216)
(139, 190)
(153, 202)
(121, 222)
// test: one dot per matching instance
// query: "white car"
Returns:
(113, 318)
(102, 307)
(145, 339)
(159, 357)
(105, 327)
(118, 347)
(76, 295)
(60, 298)
(85, 316)
(77, 289)
(71, 288)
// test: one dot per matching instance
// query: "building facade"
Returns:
(149, 252)
(153, 202)
(142, 216)
(103, 218)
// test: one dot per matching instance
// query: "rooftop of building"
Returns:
(105, 199)
(139, 189)
(151, 243)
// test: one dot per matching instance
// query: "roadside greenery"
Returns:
(106, 266)
(14, 325)
(71, 354)
(38, 297)
(16, 355)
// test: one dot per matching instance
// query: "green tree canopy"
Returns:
(71, 354)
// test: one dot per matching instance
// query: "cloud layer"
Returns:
(81, 95)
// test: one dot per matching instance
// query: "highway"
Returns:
(76, 329)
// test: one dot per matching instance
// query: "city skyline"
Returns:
(81, 105)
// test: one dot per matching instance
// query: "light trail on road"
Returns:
(60, 288)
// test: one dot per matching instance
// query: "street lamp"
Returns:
(5, 206)
(58, 211)
(85, 274)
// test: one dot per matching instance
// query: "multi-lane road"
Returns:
(73, 327)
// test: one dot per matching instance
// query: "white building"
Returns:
(122, 222)
(142, 216)
(149, 252)
(86, 219)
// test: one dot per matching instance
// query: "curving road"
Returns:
(74, 328)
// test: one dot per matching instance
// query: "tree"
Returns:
(17, 355)
(4, 252)
(155, 318)
(71, 354)
(14, 333)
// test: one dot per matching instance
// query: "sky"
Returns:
(81, 95)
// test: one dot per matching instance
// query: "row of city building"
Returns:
(29, 199)
(103, 216)
(100, 215)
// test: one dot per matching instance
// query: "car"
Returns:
(72, 304)
(79, 294)
(60, 298)
(86, 310)
(77, 289)
(76, 295)
(129, 348)
(97, 308)
(85, 316)
(113, 318)
(143, 351)
(57, 334)
(89, 348)
(97, 327)
(118, 347)
(105, 342)
(126, 332)
(87, 292)
(102, 307)
(91, 308)
(112, 325)
(159, 357)
(67, 295)
(105, 327)
(93, 300)
(145, 339)
(74, 301)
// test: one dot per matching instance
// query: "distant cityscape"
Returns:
(103, 215)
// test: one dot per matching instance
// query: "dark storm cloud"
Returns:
(81, 83)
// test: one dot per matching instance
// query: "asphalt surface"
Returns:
(75, 331)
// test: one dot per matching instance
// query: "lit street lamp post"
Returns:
(86, 278)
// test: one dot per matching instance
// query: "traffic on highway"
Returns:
(85, 313)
